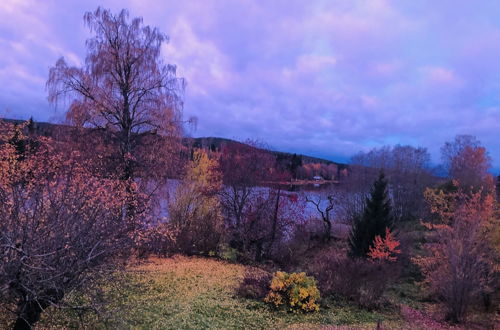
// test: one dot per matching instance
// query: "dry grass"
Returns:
(199, 293)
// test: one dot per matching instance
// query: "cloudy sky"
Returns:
(325, 78)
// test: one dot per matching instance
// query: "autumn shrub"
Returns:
(459, 262)
(294, 291)
(195, 216)
(228, 253)
(255, 284)
(157, 239)
(411, 236)
(61, 227)
(304, 238)
(384, 249)
(361, 281)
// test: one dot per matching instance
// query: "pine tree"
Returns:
(375, 219)
(18, 141)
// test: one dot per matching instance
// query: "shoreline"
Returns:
(304, 182)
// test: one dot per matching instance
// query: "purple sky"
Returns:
(325, 78)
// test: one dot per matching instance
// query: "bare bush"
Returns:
(361, 281)
(255, 284)
(60, 227)
(259, 217)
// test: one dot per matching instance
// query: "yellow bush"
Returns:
(295, 291)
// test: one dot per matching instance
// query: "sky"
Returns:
(324, 78)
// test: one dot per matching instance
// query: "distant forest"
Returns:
(297, 166)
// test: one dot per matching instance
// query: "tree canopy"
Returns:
(124, 86)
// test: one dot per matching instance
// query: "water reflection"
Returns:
(314, 190)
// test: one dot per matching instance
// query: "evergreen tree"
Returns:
(293, 164)
(18, 141)
(30, 125)
(375, 219)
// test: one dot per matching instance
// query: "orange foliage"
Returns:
(384, 248)
(459, 263)
(470, 166)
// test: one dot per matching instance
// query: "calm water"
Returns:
(312, 191)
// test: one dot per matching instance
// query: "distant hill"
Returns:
(210, 143)
(41, 128)
(217, 143)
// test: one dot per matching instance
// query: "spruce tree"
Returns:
(375, 219)
(18, 142)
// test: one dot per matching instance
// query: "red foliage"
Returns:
(245, 164)
(60, 225)
(384, 248)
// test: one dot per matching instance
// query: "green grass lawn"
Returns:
(199, 293)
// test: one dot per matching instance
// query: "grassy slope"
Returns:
(198, 293)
